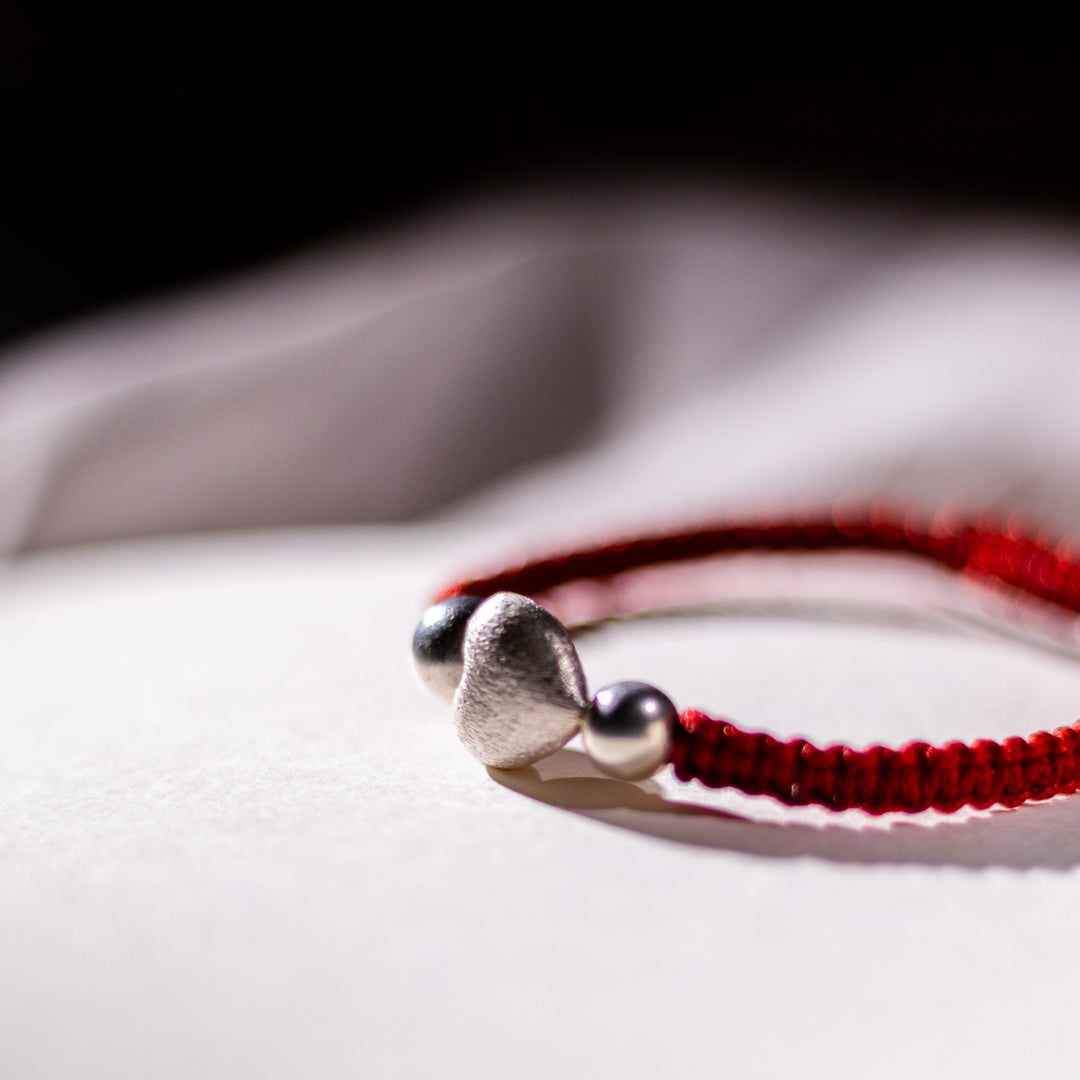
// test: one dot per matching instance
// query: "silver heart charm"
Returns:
(522, 693)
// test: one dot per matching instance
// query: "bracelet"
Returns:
(519, 693)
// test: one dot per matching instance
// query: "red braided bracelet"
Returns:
(519, 693)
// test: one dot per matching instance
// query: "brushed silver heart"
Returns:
(522, 692)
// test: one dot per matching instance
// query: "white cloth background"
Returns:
(239, 841)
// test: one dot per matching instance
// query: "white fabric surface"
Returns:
(382, 377)
(239, 841)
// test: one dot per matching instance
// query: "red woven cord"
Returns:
(879, 780)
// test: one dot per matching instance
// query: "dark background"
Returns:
(143, 150)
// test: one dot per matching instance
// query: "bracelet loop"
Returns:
(631, 732)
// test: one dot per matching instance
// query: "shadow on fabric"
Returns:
(1036, 835)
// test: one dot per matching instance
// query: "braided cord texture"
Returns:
(879, 780)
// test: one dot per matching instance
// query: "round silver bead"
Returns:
(628, 730)
(438, 641)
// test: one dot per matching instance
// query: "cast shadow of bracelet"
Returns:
(1037, 835)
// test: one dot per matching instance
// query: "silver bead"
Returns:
(522, 694)
(628, 730)
(437, 644)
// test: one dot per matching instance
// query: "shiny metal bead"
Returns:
(437, 644)
(522, 694)
(628, 730)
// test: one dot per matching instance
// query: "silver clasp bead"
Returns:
(519, 692)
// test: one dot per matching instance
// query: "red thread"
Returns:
(878, 780)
